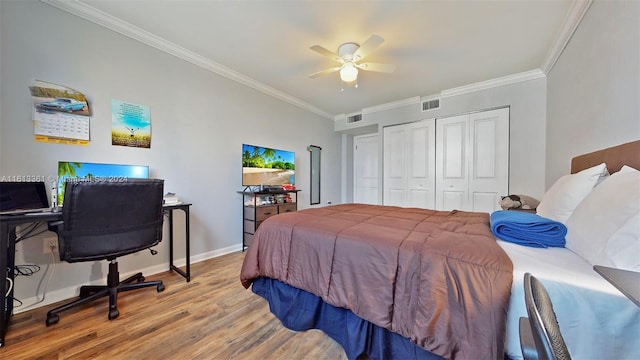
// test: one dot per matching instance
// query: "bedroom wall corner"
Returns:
(594, 87)
(347, 166)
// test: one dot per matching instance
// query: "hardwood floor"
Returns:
(211, 317)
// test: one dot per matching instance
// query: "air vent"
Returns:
(354, 118)
(431, 105)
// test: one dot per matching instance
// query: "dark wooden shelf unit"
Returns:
(255, 210)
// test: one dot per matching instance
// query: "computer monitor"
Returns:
(95, 171)
(23, 196)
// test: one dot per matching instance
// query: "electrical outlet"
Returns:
(48, 243)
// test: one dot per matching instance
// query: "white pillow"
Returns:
(562, 198)
(604, 229)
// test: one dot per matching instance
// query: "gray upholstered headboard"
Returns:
(615, 157)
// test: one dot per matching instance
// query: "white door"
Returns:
(408, 164)
(421, 159)
(472, 161)
(394, 179)
(489, 167)
(365, 164)
(452, 181)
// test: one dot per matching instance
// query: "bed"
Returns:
(412, 283)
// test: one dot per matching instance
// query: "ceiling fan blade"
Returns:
(385, 68)
(367, 47)
(330, 54)
(324, 72)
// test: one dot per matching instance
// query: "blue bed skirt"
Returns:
(299, 310)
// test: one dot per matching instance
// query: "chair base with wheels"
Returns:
(104, 220)
(90, 293)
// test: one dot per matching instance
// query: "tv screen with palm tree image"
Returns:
(267, 166)
(83, 171)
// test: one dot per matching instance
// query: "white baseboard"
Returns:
(54, 296)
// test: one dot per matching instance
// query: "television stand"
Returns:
(261, 205)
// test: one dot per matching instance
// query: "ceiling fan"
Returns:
(349, 56)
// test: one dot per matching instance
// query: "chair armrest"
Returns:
(527, 344)
(55, 226)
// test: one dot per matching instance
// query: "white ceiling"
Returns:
(435, 45)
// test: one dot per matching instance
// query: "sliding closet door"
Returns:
(409, 164)
(472, 161)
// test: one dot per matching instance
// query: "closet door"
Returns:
(409, 164)
(472, 161)
(394, 180)
(489, 166)
(452, 181)
(421, 159)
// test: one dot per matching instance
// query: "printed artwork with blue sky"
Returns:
(130, 116)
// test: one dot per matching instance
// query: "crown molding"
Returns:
(340, 117)
(103, 19)
(391, 105)
(575, 14)
(571, 21)
(483, 85)
(430, 97)
(382, 107)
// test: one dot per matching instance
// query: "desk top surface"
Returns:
(57, 215)
(628, 282)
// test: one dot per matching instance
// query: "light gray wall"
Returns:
(527, 102)
(199, 121)
(593, 91)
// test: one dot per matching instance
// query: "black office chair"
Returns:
(104, 220)
(540, 336)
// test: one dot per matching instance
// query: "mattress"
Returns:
(596, 320)
(435, 277)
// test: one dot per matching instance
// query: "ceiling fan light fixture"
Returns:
(349, 72)
(349, 56)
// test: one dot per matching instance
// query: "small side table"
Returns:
(168, 209)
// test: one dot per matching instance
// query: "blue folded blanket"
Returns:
(528, 229)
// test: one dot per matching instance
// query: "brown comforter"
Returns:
(437, 278)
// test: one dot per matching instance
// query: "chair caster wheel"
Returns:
(113, 313)
(52, 319)
(160, 288)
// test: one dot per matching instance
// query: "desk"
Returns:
(628, 282)
(8, 224)
(168, 209)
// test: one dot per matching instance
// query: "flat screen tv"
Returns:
(106, 172)
(267, 166)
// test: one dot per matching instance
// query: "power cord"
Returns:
(28, 233)
(44, 293)
(10, 287)
(24, 232)
(26, 270)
